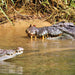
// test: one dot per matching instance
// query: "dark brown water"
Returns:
(40, 57)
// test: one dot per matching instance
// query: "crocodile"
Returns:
(68, 29)
(8, 54)
(33, 31)
(61, 29)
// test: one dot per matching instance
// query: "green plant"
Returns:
(72, 3)
(4, 3)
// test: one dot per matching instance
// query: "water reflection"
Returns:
(10, 68)
(48, 44)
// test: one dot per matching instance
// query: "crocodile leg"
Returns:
(31, 37)
(35, 37)
(47, 35)
(43, 37)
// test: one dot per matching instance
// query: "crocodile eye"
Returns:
(30, 26)
(17, 51)
(26, 31)
(8, 54)
(61, 26)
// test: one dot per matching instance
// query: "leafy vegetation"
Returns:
(50, 10)
(4, 3)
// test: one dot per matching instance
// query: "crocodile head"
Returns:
(32, 30)
(7, 54)
(19, 50)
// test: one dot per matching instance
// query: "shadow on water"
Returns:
(48, 57)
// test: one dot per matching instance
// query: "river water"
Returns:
(40, 57)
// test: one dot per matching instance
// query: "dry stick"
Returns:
(52, 2)
(19, 13)
(29, 15)
(16, 3)
(6, 16)
(53, 10)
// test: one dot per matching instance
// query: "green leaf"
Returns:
(72, 4)
(13, 2)
(66, 1)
